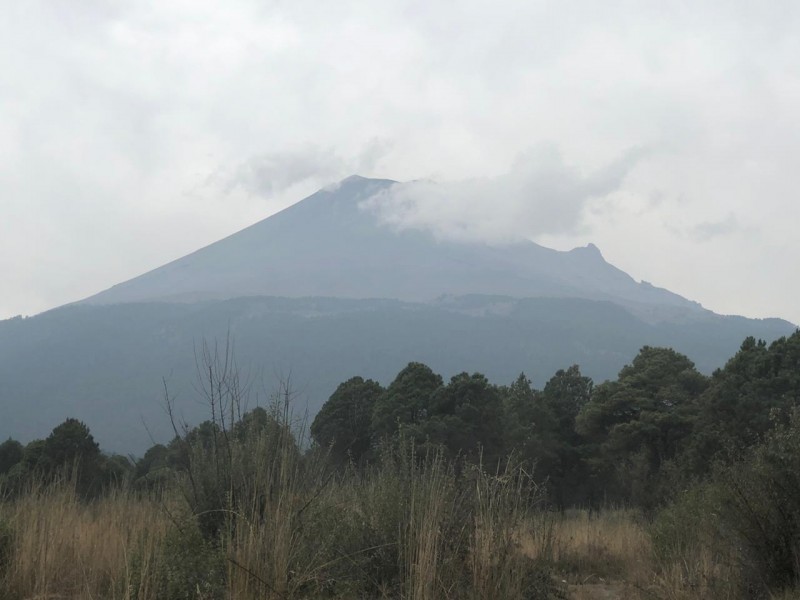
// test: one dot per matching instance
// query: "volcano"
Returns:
(333, 244)
(326, 290)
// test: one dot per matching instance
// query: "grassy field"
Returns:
(412, 529)
(611, 555)
(250, 516)
(130, 545)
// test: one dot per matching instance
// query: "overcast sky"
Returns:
(667, 133)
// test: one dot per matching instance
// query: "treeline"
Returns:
(713, 461)
(69, 451)
(635, 440)
(659, 427)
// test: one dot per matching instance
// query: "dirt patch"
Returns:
(602, 591)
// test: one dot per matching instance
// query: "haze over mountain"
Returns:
(326, 290)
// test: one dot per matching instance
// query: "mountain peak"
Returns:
(327, 245)
(353, 179)
(589, 250)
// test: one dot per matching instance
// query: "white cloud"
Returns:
(268, 175)
(539, 195)
(115, 117)
(708, 230)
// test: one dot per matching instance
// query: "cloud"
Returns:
(539, 195)
(112, 116)
(708, 230)
(270, 174)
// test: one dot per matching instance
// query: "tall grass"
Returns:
(415, 528)
(251, 516)
(411, 528)
(611, 545)
(289, 525)
(60, 546)
(505, 509)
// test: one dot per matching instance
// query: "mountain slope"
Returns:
(330, 245)
(106, 364)
(324, 291)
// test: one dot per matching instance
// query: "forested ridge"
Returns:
(104, 364)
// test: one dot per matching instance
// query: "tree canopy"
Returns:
(343, 423)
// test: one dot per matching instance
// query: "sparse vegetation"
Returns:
(412, 528)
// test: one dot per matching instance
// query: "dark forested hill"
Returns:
(105, 364)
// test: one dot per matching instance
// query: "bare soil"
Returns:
(602, 591)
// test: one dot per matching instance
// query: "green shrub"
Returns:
(695, 553)
(690, 521)
(745, 520)
(187, 567)
(6, 545)
(380, 526)
(415, 527)
(761, 505)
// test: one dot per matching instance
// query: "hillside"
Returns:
(323, 291)
(105, 364)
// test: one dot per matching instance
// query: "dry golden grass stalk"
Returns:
(62, 547)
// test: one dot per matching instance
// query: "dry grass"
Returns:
(598, 548)
(502, 517)
(62, 548)
(701, 575)
(699, 565)
(408, 530)
(421, 541)
(114, 547)
(610, 555)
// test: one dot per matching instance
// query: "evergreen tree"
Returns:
(11, 452)
(634, 425)
(564, 396)
(466, 418)
(406, 402)
(735, 411)
(343, 423)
